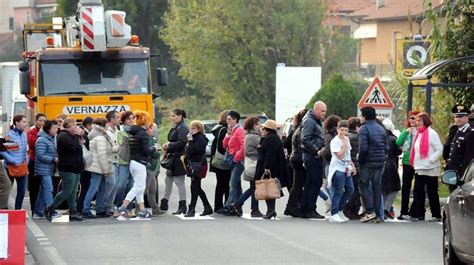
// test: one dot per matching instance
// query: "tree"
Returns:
(66, 8)
(339, 95)
(229, 49)
(457, 40)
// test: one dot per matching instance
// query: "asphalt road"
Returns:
(231, 240)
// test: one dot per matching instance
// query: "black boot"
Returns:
(207, 210)
(181, 208)
(164, 205)
(191, 212)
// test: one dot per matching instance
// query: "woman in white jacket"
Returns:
(425, 153)
(100, 146)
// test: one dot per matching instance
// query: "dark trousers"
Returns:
(222, 188)
(353, 205)
(5, 187)
(68, 193)
(314, 181)
(299, 180)
(407, 179)
(20, 190)
(249, 193)
(85, 183)
(418, 206)
(34, 184)
(196, 191)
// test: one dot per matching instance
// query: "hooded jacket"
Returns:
(45, 152)
(100, 146)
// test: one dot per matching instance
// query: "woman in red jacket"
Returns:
(234, 144)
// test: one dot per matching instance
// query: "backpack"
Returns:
(124, 148)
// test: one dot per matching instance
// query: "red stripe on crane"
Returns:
(88, 44)
(87, 18)
(118, 18)
(88, 32)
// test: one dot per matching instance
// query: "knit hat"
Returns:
(142, 118)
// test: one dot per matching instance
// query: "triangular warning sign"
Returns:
(376, 96)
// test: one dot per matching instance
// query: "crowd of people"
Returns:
(116, 160)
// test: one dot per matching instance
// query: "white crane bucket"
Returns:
(118, 32)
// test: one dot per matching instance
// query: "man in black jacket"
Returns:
(373, 150)
(312, 140)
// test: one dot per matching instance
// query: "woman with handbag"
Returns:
(271, 161)
(196, 166)
(174, 148)
(70, 165)
(140, 157)
(16, 159)
(217, 166)
(252, 140)
(100, 146)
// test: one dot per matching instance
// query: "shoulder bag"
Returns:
(168, 161)
(17, 171)
(267, 188)
(218, 158)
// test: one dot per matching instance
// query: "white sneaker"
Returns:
(336, 219)
(328, 205)
(343, 216)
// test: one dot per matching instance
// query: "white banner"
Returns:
(3, 235)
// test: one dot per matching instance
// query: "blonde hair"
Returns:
(68, 122)
(198, 125)
(142, 118)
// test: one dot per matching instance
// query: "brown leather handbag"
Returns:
(16, 171)
(267, 188)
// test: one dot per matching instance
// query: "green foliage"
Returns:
(66, 8)
(229, 49)
(457, 40)
(339, 95)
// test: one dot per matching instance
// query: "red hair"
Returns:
(425, 117)
(412, 113)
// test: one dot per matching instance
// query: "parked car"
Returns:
(262, 118)
(208, 126)
(458, 218)
(287, 127)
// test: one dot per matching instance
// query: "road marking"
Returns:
(34, 228)
(54, 256)
(45, 243)
(196, 217)
(42, 239)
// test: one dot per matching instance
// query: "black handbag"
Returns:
(168, 161)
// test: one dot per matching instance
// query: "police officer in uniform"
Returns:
(457, 143)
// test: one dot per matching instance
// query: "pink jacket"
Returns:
(235, 143)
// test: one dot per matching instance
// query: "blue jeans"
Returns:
(371, 186)
(250, 192)
(124, 183)
(107, 191)
(20, 190)
(93, 188)
(314, 181)
(341, 190)
(45, 195)
(235, 185)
